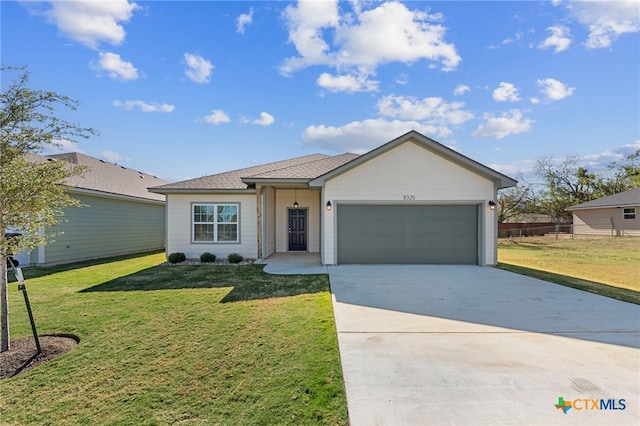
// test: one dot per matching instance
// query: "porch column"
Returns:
(259, 218)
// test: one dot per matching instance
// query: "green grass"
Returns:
(191, 345)
(606, 266)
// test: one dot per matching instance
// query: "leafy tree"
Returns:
(32, 192)
(622, 176)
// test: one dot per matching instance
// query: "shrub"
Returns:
(176, 257)
(234, 258)
(207, 257)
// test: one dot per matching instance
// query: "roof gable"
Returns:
(621, 199)
(502, 181)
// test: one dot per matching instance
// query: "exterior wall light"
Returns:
(328, 205)
(492, 205)
(295, 197)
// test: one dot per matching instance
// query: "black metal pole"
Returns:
(23, 288)
(33, 323)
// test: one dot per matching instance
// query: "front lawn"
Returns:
(609, 266)
(178, 344)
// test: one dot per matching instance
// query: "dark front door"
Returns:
(297, 229)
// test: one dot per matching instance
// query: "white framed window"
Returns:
(215, 223)
(629, 213)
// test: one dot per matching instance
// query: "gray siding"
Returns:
(407, 234)
(106, 227)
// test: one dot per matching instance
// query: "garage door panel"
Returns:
(369, 234)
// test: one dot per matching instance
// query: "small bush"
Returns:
(176, 257)
(207, 257)
(235, 258)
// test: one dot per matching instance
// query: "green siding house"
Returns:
(119, 215)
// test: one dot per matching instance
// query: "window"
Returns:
(629, 213)
(215, 223)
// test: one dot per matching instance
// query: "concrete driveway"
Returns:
(469, 345)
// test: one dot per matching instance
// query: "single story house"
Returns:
(409, 201)
(120, 216)
(615, 215)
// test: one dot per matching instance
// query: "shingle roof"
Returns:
(107, 177)
(310, 170)
(621, 199)
(306, 167)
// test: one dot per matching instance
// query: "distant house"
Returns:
(615, 215)
(409, 201)
(120, 216)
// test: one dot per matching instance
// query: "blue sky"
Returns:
(186, 89)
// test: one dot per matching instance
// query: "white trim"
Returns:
(215, 222)
(101, 194)
(624, 213)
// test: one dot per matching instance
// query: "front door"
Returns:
(297, 229)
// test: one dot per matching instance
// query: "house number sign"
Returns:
(408, 197)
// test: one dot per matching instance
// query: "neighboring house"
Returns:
(615, 215)
(120, 215)
(409, 201)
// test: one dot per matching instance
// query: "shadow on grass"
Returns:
(247, 282)
(32, 272)
(617, 293)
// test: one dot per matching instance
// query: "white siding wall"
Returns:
(410, 170)
(306, 199)
(179, 225)
(605, 222)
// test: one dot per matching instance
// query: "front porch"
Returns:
(294, 263)
(288, 222)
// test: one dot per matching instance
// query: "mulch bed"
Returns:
(216, 262)
(22, 355)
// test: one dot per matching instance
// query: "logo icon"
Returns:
(563, 405)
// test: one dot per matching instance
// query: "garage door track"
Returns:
(476, 345)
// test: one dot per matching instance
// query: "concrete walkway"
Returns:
(294, 263)
(467, 345)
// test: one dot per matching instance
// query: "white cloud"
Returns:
(508, 40)
(559, 39)
(603, 159)
(357, 43)
(116, 67)
(217, 116)
(535, 100)
(244, 20)
(111, 156)
(605, 20)
(144, 107)
(362, 136)
(431, 110)
(506, 92)
(61, 145)
(509, 123)
(402, 79)
(91, 22)
(198, 68)
(265, 119)
(461, 89)
(554, 90)
(347, 83)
